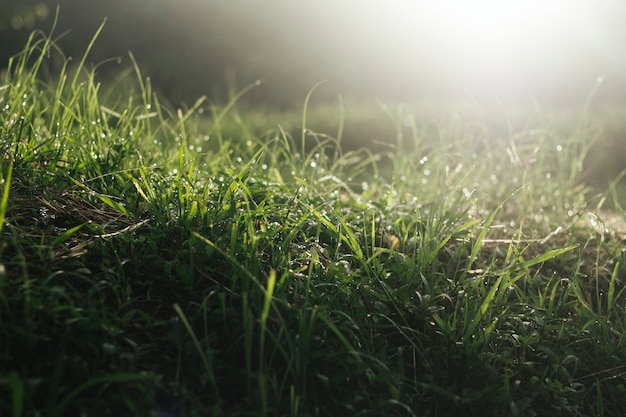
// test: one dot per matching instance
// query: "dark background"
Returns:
(194, 47)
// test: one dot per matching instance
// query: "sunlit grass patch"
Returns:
(165, 261)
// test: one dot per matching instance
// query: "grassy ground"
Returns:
(161, 262)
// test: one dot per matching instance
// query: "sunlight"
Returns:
(489, 29)
(490, 42)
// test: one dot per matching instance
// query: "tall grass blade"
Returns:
(324, 317)
(17, 394)
(206, 359)
(5, 194)
(305, 111)
(100, 380)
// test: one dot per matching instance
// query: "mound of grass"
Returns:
(159, 262)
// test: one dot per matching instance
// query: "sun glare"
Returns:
(499, 42)
(487, 27)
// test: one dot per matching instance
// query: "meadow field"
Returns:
(357, 259)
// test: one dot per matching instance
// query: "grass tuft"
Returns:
(199, 261)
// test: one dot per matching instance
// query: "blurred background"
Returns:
(497, 54)
(552, 50)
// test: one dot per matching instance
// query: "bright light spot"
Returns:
(491, 43)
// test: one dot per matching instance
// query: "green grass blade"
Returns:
(113, 204)
(5, 194)
(206, 360)
(610, 296)
(305, 111)
(324, 317)
(267, 303)
(17, 394)
(100, 380)
(546, 256)
(66, 235)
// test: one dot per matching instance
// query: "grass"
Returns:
(179, 262)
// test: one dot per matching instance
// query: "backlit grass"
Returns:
(157, 261)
